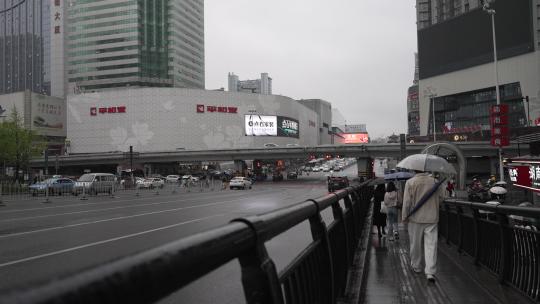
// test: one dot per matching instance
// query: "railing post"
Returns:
(319, 231)
(349, 206)
(461, 231)
(447, 210)
(476, 225)
(506, 244)
(259, 274)
(338, 216)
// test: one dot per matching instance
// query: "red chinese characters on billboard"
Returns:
(499, 125)
(220, 109)
(355, 138)
(107, 110)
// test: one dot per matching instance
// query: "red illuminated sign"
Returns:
(355, 138)
(219, 109)
(499, 125)
(107, 110)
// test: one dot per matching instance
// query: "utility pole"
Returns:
(491, 12)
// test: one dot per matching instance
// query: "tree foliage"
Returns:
(17, 144)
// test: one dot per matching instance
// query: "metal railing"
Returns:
(13, 192)
(503, 239)
(319, 274)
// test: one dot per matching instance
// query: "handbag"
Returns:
(384, 209)
(424, 198)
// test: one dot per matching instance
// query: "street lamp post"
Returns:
(491, 12)
(433, 112)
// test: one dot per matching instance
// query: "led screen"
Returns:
(269, 125)
(354, 138)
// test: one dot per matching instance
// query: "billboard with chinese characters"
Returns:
(353, 138)
(269, 125)
(260, 125)
(288, 127)
(48, 115)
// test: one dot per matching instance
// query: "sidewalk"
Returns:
(390, 279)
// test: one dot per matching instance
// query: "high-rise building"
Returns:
(32, 47)
(456, 87)
(430, 12)
(257, 86)
(135, 43)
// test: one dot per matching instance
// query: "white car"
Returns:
(172, 178)
(150, 183)
(240, 183)
(316, 169)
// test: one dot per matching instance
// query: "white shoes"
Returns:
(430, 278)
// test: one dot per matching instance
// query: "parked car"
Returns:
(94, 183)
(337, 182)
(53, 185)
(316, 169)
(240, 182)
(292, 175)
(172, 178)
(271, 145)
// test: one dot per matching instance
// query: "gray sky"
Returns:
(358, 55)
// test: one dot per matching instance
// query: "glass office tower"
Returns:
(135, 43)
(25, 46)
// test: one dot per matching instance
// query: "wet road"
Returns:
(43, 241)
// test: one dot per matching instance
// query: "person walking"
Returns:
(379, 219)
(422, 225)
(391, 202)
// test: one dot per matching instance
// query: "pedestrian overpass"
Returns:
(153, 161)
(487, 254)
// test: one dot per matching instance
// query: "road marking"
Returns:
(112, 219)
(104, 241)
(114, 201)
(111, 208)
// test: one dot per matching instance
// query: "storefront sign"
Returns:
(220, 109)
(525, 176)
(107, 110)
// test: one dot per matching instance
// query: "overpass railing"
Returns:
(502, 239)
(319, 274)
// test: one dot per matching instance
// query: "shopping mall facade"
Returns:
(457, 79)
(173, 119)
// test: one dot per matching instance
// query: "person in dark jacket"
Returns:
(379, 219)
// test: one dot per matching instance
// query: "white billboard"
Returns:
(48, 115)
(261, 125)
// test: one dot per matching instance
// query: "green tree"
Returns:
(18, 145)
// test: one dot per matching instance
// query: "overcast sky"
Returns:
(358, 55)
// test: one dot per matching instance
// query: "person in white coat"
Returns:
(423, 224)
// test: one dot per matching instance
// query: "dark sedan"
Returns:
(337, 182)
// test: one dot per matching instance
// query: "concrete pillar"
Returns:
(239, 166)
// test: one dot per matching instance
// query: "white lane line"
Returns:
(113, 201)
(14, 262)
(115, 208)
(107, 209)
(111, 219)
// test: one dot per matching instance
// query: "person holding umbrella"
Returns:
(421, 198)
